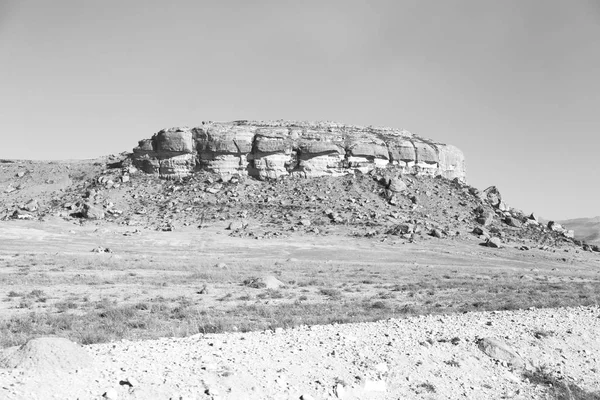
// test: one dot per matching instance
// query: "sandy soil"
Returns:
(428, 357)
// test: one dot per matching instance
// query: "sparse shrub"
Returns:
(25, 303)
(332, 293)
(380, 305)
(65, 305)
(540, 334)
(12, 293)
(559, 389)
(36, 293)
(427, 386)
(452, 363)
(142, 306)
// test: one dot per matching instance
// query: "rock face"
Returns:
(270, 149)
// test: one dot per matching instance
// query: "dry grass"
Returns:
(559, 389)
(91, 298)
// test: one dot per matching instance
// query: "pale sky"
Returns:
(514, 83)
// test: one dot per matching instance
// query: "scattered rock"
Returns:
(101, 249)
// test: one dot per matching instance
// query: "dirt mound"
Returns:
(46, 354)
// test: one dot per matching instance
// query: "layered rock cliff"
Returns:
(270, 149)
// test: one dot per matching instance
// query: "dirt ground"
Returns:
(429, 356)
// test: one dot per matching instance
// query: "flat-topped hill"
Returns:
(270, 149)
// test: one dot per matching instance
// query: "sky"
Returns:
(515, 84)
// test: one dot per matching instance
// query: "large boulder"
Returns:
(500, 351)
(91, 211)
(492, 196)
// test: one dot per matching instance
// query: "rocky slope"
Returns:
(270, 149)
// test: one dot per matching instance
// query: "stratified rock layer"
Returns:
(270, 149)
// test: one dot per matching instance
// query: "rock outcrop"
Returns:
(268, 150)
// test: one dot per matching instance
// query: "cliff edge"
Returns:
(270, 149)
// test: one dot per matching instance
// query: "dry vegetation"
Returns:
(93, 298)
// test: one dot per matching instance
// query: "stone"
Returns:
(494, 242)
(402, 229)
(533, 217)
(500, 351)
(31, 206)
(492, 196)
(481, 231)
(270, 149)
(486, 219)
(20, 214)
(235, 225)
(512, 221)
(397, 185)
(90, 211)
(436, 233)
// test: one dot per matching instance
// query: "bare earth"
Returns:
(434, 356)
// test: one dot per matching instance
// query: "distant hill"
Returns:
(586, 229)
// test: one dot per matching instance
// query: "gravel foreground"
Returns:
(423, 357)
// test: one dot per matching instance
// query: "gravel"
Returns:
(426, 357)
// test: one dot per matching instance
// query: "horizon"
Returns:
(513, 85)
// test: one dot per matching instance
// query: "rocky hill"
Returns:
(586, 229)
(250, 177)
(270, 149)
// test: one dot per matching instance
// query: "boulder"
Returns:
(90, 211)
(481, 232)
(486, 218)
(533, 217)
(31, 206)
(493, 242)
(402, 229)
(512, 221)
(500, 351)
(436, 233)
(397, 185)
(492, 196)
